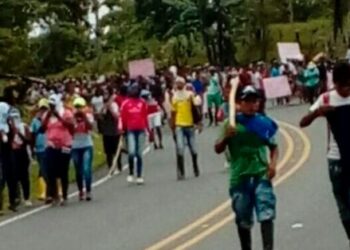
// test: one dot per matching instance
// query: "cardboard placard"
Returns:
(289, 51)
(276, 87)
(144, 67)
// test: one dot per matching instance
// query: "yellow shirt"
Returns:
(182, 106)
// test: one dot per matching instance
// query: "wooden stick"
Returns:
(232, 101)
(117, 154)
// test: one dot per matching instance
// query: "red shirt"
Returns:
(119, 99)
(58, 136)
(153, 107)
(134, 113)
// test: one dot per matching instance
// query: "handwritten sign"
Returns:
(276, 87)
(289, 51)
(144, 67)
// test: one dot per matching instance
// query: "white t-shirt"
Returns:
(97, 103)
(4, 114)
(335, 100)
(256, 79)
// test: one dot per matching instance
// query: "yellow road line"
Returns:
(226, 220)
(223, 206)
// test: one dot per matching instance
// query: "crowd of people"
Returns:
(126, 112)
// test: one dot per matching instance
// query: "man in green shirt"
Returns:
(214, 97)
(250, 170)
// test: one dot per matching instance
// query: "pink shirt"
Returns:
(58, 136)
(134, 114)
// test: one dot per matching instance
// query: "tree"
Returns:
(340, 9)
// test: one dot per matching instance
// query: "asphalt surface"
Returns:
(305, 201)
(130, 217)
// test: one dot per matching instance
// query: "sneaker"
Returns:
(81, 196)
(48, 201)
(88, 197)
(130, 179)
(117, 172)
(181, 178)
(63, 202)
(28, 203)
(56, 202)
(140, 181)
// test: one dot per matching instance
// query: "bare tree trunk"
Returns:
(221, 43)
(263, 30)
(207, 47)
(98, 48)
(291, 11)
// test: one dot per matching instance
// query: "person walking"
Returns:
(184, 119)
(134, 121)
(335, 106)
(214, 97)
(8, 171)
(20, 140)
(251, 172)
(39, 139)
(312, 82)
(58, 124)
(154, 119)
(107, 123)
(82, 148)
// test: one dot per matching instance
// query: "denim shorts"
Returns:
(253, 193)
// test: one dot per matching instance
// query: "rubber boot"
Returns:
(41, 189)
(180, 167)
(267, 234)
(195, 165)
(210, 115)
(245, 237)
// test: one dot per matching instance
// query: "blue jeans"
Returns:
(182, 134)
(135, 141)
(82, 158)
(253, 193)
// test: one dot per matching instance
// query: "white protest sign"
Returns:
(144, 67)
(289, 51)
(276, 87)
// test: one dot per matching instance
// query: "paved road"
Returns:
(129, 217)
(305, 199)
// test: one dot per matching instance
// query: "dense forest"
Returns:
(45, 37)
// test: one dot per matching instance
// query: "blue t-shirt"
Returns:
(40, 138)
(275, 72)
(198, 86)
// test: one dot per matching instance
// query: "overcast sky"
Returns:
(37, 30)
